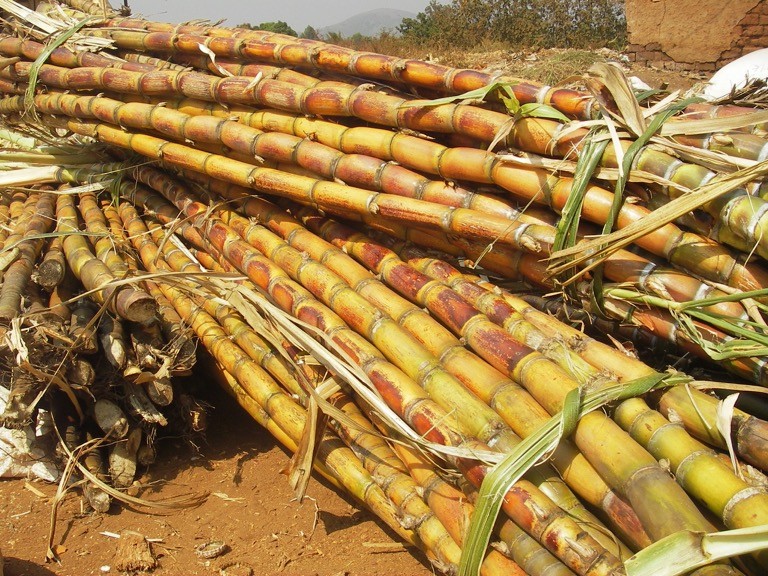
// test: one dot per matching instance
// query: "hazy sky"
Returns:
(297, 13)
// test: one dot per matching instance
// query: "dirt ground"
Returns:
(250, 509)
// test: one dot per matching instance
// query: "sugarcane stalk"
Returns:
(207, 262)
(236, 327)
(100, 234)
(99, 500)
(126, 301)
(22, 209)
(365, 171)
(160, 390)
(83, 326)
(157, 63)
(62, 295)
(706, 110)
(10, 87)
(112, 337)
(237, 68)
(157, 207)
(257, 349)
(93, 7)
(740, 145)
(18, 274)
(624, 266)
(697, 411)
(7, 199)
(80, 373)
(50, 271)
(649, 330)
(258, 45)
(249, 342)
(62, 55)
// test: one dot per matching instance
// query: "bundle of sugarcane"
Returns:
(390, 217)
(271, 383)
(686, 310)
(80, 338)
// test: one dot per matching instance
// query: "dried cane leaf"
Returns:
(710, 125)
(725, 409)
(212, 55)
(300, 467)
(604, 80)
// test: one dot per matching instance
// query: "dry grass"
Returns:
(549, 66)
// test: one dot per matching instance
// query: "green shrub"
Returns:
(520, 23)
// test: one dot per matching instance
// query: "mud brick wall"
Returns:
(694, 35)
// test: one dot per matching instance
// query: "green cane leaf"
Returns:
(537, 110)
(682, 552)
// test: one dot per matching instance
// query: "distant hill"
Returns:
(369, 23)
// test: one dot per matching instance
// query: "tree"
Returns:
(433, 24)
(310, 33)
(278, 27)
(420, 28)
(334, 38)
